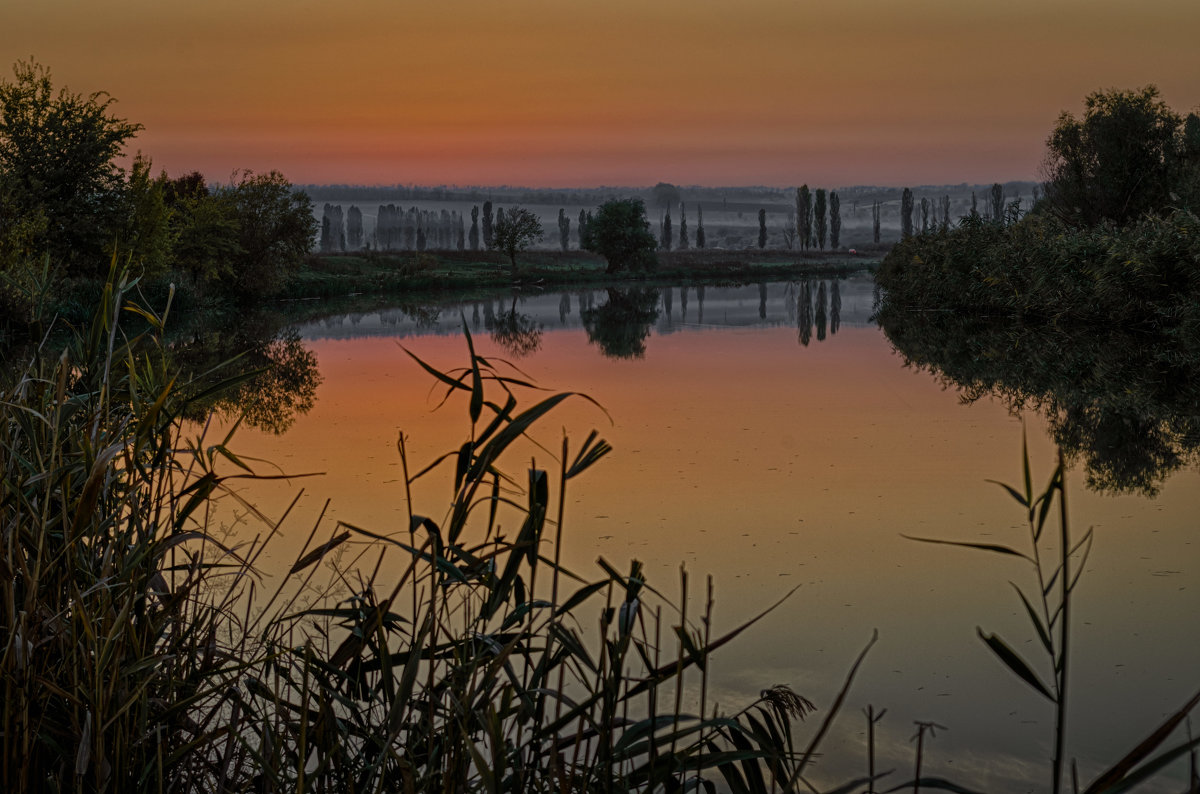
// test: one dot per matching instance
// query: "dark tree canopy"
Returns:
(58, 168)
(621, 234)
(1123, 158)
(514, 231)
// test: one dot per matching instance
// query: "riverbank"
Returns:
(444, 273)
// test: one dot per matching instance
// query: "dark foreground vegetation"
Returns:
(141, 652)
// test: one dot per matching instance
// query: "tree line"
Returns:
(68, 209)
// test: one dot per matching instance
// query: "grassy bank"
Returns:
(455, 272)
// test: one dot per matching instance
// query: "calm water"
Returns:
(774, 447)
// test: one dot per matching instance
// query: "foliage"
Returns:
(514, 231)
(835, 220)
(1128, 155)
(819, 214)
(683, 229)
(762, 228)
(275, 230)
(621, 234)
(804, 216)
(621, 325)
(487, 225)
(1121, 401)
(58, 173)
(1039, 269)
(1049, 608)
(666, 236)
(906, 211)
(141, 655)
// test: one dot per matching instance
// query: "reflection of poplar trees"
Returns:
(804, 316)
(762, 300)
(683, 304)
(667, 300)
(620, 326)
(564, 307)
(835, 307)
(475, 315)
(473, 235)
(822, 301)
(700, 303)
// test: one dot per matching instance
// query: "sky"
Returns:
(565, 93)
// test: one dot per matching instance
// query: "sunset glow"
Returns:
(533, 92)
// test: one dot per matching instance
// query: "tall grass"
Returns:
(142, 653)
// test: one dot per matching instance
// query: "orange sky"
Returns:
(618, 92)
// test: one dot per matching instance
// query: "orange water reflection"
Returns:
(743, 454)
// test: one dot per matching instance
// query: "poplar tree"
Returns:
(804, 216)
(462, 233)
(876, 211)
(564, 230)
(683, 230)
(583, 241)
(819, 212)
(924, 215)
(906, 213)
(997, 202)
(664, 241)
(354, 228)
(473, 235)
(835, 220)
(762, 228)
(945, 213)
(699, 226)
(487, 225)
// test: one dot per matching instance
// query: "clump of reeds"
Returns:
(140, 654)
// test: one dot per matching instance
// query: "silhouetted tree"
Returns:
(487, 225)
(804, 217)
(683, 230)
(998, 202)
(906, 213)
(699, 226)
(945, 213)
(835, 220)
(789, 229)
(819, 213)
(974, 205)
(664, 240)
(621, 234)
(1127, 156)
(462, 232)
(354, 229)
(564, 229)
(924, 215)
(473, 235)
(762, 228)
(665, 195)
(515, 231)
(876, 211)
(59, 175)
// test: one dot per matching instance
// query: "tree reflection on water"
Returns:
(621, 325)
(1126, 404)
(253, 368)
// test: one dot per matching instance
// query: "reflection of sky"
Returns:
(770, 465)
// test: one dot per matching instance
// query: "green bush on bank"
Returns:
(1040, 269)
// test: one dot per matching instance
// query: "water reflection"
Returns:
(804, 313)
(620, 326)
(1125, 404)
(519, 334)
(274, 376)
